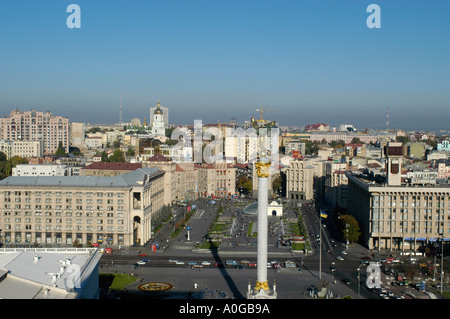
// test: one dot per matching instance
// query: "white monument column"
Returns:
(262, 281)
(262, 289)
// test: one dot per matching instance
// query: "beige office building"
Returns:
(59, 210)
(299, 180)
(218, 179)
(395, 214)
(22, 148)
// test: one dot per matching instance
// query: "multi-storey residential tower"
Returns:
(36, 126)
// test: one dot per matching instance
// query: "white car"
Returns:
(206, 263)
(339, 258)
(140, 262)
(172, 261)
(178, 262)
(343, 252)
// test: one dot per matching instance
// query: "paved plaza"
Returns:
(226, 282)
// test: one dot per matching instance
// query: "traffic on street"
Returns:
(326, 258)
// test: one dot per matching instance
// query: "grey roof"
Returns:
(29, 271)
(133, 178)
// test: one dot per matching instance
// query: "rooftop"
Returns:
(38, 273)
(133, 178)
(114, 166)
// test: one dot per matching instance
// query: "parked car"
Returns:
(143, 255)
(339, 258)
(346, 281)
(289, 264)
(206, 263)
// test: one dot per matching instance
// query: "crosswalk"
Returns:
(198, 213)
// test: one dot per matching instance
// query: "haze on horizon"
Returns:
(312, 61)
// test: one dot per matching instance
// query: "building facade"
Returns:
(22, 148)
(165, 113)
(218, 179)
(108, 169)
(36, 126)
(81, 209)
(299, 180)
(158, 125)
(42, 170)
(395, 215)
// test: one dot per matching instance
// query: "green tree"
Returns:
(117, 156)
(245, 184)
(403, 139)
(130, 151)
(60, 151)
(105, 157)
(17, 160)
(312, 148)
(117, 142)
(8, 169)
(277, 184)
(350, 228)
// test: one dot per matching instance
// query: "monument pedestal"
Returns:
(262, 291)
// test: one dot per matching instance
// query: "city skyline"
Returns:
(311, 61)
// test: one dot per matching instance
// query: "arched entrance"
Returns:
(136, 231)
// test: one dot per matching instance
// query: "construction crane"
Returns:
(261, 110)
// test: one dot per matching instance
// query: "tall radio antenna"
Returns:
(120, 111)
(387, 118)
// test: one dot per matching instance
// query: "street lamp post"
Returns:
(359, 280)
(442, 262)
(320, 249)
(346, 236)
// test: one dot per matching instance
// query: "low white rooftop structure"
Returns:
(49, 273)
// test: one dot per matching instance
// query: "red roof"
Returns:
(158, 158)
(178, 168)
(315, 126)
(114, 166)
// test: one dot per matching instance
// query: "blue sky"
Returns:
(313, 61)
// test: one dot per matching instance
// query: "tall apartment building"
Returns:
(59, 210)
(36, 126)
(397, 215)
